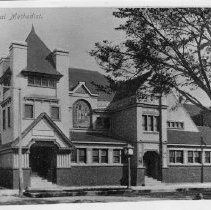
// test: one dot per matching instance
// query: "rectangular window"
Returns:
(144, 122)
(176, 156)
(4, 119)
(104, 156)
(41, 82)
(44, 82)
(150, 125)
(172, 156)
(82, 155)
(95, 156)
(37, 81)
(207, 157)
(175, 125)
(74, 156)
(197, 156)
(117, 156)
(52, 83)
(29, 111)
(31, 80)
(190, 156)
(179, 156)
(156, 123)
(8, 117)
(55, 113)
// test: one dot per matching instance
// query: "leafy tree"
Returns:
(169, 46)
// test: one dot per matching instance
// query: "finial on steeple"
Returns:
(32, 30)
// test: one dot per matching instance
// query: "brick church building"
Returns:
(74, 134)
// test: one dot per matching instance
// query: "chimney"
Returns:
(18, 61)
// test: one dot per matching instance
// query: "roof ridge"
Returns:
(82, 69)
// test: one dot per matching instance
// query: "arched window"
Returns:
(82, 114)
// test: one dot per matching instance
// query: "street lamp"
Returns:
(128, 151)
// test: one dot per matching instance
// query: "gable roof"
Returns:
(91, 79)
(39, 59)
(51, 122)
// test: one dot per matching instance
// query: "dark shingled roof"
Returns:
(131, 86)
(94, 137)
(206, 134)
(183, 137)
(91, 79)
(187, 137)
(193, 110)
(39, 58)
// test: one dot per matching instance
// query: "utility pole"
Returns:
(160, 135)
(202, 160)
(20, 145)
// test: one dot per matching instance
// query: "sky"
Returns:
(73, 29)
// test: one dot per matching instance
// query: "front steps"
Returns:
(149, 181)
(41, 183)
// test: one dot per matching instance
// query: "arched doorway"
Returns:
(42, 160)
(151, 163)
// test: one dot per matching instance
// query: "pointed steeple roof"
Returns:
(39, 59)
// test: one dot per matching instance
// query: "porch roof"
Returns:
(92, 137)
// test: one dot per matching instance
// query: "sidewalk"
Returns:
(172, 187)
(96, 190)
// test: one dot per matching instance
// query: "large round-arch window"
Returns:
(81, 114)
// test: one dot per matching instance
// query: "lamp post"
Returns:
(129, 152)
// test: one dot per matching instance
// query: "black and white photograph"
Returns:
(105, 104)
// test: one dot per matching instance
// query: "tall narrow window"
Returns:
(150, 125)
(55, 113)
(179, 156)
(104, 156)
(29, 111)
(190, 156)
(8, 117)
(4, 119)
(74, 156)
(144, 122)
(95, 156)
(156, 123)
(197, 156)
(172, 156)
(117, 156)
(82, 155)
(207, 156)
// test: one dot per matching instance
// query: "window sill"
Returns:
(42, 86)
(97, 164)
(151, 132)
(26, 118)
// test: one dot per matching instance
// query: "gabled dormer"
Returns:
(82, 89)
